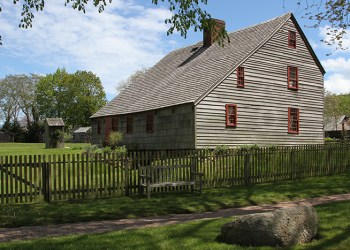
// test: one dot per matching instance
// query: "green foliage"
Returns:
(72, 97)
(220, 150)
(335, 106)
(121, 151)
(328, 139)
(115, 137)
(336, 13)
(67, 137)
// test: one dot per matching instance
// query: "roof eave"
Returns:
(308, 45)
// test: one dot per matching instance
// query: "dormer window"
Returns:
(240, 77)
(293, 78)
(292, 39)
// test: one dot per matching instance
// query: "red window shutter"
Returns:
(150, 123)
(115, 123)
(108, 127)
(129, 124)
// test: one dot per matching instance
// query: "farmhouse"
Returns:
(264, 87)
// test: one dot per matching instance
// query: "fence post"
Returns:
(292, 167)
(329, 154)
(126, 166)
(247, 162)
(46, 173)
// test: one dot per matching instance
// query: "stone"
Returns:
(283, 227)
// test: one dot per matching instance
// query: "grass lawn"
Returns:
(13, 215)
(334, 233)
(39, 149)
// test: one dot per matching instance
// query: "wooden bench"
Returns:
(168, 176)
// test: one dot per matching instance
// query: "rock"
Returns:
(283, 227)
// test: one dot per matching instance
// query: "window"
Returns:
(293, 120)
(240, 77)
(129, 124)
(292, 39)
(99, 126)
(293, 78)
(150, 123)
(115, 123)
(231, 115)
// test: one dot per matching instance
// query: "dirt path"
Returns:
(26, 233)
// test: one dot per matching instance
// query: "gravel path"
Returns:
(26, 233)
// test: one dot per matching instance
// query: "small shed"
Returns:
(82, 135)
(6, 136)
(54, 133)
(338, 127)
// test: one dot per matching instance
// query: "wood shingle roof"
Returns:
(186, 75)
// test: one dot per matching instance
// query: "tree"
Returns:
(333, 12)
(72, 97)
(335, 106)
(123, 84)
(187, 14)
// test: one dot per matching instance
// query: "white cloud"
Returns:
(338, 75)
(113, 44)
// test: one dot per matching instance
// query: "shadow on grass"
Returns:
(170, 202)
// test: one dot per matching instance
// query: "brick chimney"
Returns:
(209, 37)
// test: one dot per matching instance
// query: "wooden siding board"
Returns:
(263, 103)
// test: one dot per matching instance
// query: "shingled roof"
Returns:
(186, 75)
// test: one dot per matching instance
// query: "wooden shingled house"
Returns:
(264, 87)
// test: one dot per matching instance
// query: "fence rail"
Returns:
(80, 176)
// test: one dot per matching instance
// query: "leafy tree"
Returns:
(8, 104)
(335, 106)
(73, 97)
(333, 12)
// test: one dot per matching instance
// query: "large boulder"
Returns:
(283, 227)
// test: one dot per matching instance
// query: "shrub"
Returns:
(220, 150)
(121, 151)
(67, 137)
(107, 150)
(115, 137)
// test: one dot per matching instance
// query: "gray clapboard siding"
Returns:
(263, 103)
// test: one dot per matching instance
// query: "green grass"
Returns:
(39, 149)
(334, 233)
(166, 203)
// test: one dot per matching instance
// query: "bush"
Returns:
(220, 150)
(114, 139)
(121, 151)
(67, 137)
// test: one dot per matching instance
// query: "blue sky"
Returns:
(131, 35)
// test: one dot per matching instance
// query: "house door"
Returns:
(108, 126)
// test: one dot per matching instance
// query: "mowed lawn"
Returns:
(39, 149)
(334, 233)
